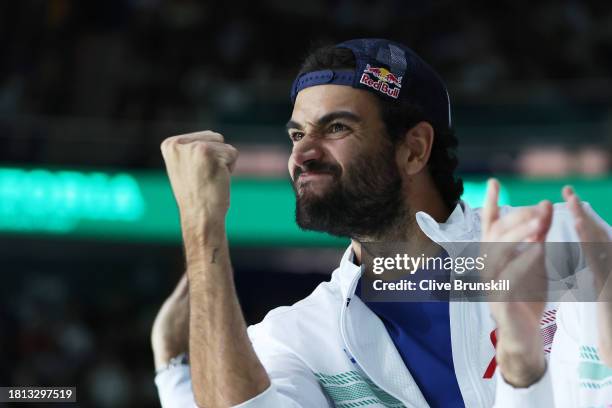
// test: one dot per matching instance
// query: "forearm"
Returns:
(169, 335)
(225, 369)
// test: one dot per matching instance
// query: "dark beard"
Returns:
(365, 203)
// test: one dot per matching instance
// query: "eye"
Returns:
(337, 127)
(296, 136)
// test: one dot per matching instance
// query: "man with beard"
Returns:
(372, 160)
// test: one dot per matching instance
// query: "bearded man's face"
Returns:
(343, 166)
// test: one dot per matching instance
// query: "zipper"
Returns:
(467, 353)
(467, 325)
(440, 239)
(463, 324)
(348, 350)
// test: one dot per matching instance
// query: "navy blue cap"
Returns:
(391, 70)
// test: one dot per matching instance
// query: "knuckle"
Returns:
(165, 144)
(203, 148)
(213, 135)
(233, 151)
(168, 146)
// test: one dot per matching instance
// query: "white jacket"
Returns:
(330, 349)
(580, 379)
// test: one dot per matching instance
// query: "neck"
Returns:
(406, 230)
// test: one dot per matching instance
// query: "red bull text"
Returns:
(386, 82)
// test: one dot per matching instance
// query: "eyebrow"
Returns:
(327, 118)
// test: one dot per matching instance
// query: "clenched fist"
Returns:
(199, 166)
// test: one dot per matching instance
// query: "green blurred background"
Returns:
(139, 206)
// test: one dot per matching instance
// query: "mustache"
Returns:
(317, 167)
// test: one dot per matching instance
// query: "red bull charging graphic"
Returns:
(382, 80)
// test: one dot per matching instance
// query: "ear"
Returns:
(415, 148)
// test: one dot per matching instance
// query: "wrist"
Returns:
(203, 238)
(202, 214)
(164, 349)
(171, 361)
(199, 222)
(521, 367)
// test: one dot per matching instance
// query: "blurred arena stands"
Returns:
(133, 72)
(92, 88)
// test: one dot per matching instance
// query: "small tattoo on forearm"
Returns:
(214, 256)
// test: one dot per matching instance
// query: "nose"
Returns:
(305, 150)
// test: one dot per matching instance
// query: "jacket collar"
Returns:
(461, 225)
(458, 226)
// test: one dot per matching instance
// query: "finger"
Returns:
(223, 151)
(490, 211)
(581, 219)
(515, 219)
(172, 143)
(204, 136)
(573, 203)
(567, 191)
(587, 228)
(522, 231)
(598, 257)
(546, 213)
(226, 154)
(229, 155)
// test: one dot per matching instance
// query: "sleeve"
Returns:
(174, 387)
(539, 394)
(564, 359)
(293, 385)
(589, 210)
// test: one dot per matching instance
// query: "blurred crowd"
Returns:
(113, 78)
(82, 316)
(82, 325)
(183, 59)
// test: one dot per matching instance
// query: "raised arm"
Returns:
(170, 333)
(170, 343)
(293, 384)
(225, 370)
(519, 345)
(596, 239)
(523, 379)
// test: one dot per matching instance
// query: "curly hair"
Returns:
(399, 117)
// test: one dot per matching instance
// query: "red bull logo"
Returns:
(382, 80)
